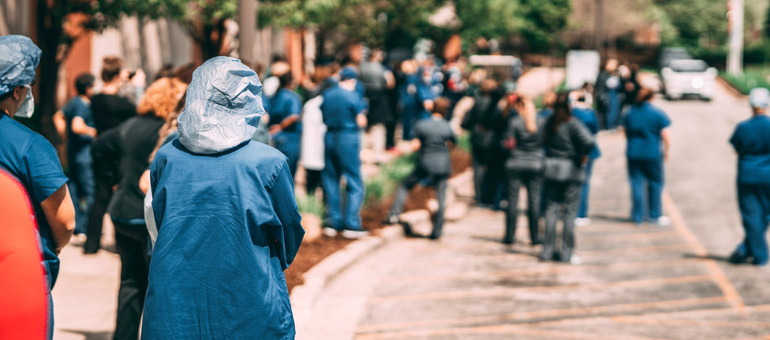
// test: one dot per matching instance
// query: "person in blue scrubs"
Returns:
(30, 158)
(751, 140)
(407, 98)
(227, 218)
(646, 150)
(586, 115)
(284, 110)
(343, 112)
(80, 133)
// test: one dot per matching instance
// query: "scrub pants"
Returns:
(288, 143)
(649, 172)
(408, 119)
(613, 111)
(81, 186)
(533, 181)
(131, 238)
(754, 202)
(478, 154)
(562, 203)
(417, 176)
(343, 149)
(586, 191)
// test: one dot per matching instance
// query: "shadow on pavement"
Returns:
(720, 258)
(90, 335)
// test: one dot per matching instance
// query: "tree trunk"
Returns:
(49, 34)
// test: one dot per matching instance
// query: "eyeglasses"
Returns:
(34, 81)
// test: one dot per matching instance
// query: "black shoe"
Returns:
(507, 241)
(736, 258)
(390, 220)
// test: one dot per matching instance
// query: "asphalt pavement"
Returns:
(636, 282)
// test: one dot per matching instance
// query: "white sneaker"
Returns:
(582, 221)
(663, 221)
(354, 234)
(575, 260)
(330, 232)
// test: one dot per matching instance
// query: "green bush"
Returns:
(391, 174)
(311, 205)
(753, 76)
(464, 142)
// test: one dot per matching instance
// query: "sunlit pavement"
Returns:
(636, 282)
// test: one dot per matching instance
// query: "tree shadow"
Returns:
(90, 335)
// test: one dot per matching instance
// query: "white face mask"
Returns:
(27, 107)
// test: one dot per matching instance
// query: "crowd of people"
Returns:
(189, 155)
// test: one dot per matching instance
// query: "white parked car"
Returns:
(688, 77)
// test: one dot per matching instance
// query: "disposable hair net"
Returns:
(19, 57)
(223, 106)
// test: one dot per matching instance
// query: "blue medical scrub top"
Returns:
(228, 228)
(407, 92)
(340, 108)
(643, 125)
(77, 107)
(424, 92)
(545, 113)
(282, 105)
(751, 140)
(33, 160)
(588, 118)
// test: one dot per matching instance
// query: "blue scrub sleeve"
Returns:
(295, 107)
(664, 121)
(82, 111)
(288, 235)
(43, 168)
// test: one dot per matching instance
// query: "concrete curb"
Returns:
(303, 297)
(730, 88)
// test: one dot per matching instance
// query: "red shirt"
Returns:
(23, 292)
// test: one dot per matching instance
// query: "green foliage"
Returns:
(370, 21)
(464, 142)
(692, 23)
(491, 18)
(391, 174)
(311, 205)
(753, 76)
(541, 21)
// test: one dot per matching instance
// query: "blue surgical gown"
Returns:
(228, 228)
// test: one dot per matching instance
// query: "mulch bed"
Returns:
(372, 215)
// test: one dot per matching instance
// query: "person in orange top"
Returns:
(23, 290)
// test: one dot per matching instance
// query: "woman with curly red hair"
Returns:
(138, 137)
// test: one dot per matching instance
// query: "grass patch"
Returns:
(391, 174)
(753, 76)
(311, 205)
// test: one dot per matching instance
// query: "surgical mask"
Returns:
(27, 107)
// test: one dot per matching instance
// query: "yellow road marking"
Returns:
(731, 294)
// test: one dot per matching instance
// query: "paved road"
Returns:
(636, 282)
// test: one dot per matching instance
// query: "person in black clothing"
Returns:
(567, 145)
(479, 121)
(524, 166)
(136, 139)
(432, 139)
(109, 111)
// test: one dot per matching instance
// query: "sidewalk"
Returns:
(635, 283)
